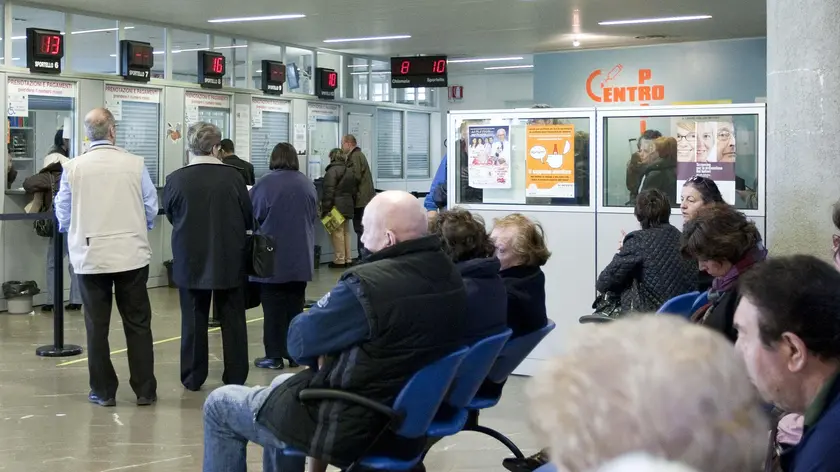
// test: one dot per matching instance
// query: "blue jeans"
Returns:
(75, 292)
(230, 423)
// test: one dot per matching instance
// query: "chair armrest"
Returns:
(314, 394)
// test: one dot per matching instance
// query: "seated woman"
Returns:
(466, 241)
(654, 385)
(726, 245)
(649, 268)
(699, 192)
(521, 249)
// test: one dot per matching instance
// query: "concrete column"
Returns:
(803, 124)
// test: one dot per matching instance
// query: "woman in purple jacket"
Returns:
(285, 206)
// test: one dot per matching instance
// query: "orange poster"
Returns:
(551, 161)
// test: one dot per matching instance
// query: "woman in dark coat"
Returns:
(649, 269)
(339, 188)
(285, 206)
(43, 186)
(726, 245)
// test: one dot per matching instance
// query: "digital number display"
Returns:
(326, 81)
(136, 60)
(45, 49)
(49, 45)
(273, 77)
(419, 71)
(211, 69)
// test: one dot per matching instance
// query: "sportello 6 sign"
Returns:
(44, 50)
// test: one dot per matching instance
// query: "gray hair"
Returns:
(651, 384)
(202, 137)
(98, 124)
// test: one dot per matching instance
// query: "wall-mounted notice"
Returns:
(195, 100)
(115, 95)
(550, 161)
(299, 141)
(18, 105)
(706, 147)
(489, 156)
(242, 131)
(49, 88)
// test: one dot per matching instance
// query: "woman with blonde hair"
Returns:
(649, 384)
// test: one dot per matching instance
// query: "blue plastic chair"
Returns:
(452, 416)
(409, 416)
(701, 300)
(546, 468)
(680, 305)
(514, 352)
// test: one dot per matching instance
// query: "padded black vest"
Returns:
(415, 303)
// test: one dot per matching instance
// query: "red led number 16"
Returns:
(218, 65)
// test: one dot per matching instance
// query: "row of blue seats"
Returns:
(685, 305)
(441, 399)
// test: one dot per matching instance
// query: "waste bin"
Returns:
(317, 256)
(19, 295)
(168, 265)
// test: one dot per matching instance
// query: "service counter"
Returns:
(569, 170)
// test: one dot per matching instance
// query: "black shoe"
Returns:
(292, 364)
(94, 398)
(73, 307)
(268, 363)
(527, 464)
(333, 265)
(144, 401)
(214, 323)
(46, 308)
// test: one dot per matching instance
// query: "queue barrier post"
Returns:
(57, 348)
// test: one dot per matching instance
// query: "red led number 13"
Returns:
(50, 45)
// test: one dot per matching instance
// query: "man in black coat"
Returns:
(228, 155)
(210, 211)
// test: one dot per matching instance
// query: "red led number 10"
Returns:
(218, 65)
(50, 45)
(439, 66)
(332, 79)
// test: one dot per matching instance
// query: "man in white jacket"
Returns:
(106, 204)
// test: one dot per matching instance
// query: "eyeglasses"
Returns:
(724, 135)
(699, 179)
(688, 137)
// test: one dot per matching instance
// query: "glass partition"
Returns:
(260, 52)
(184, 46)
(37, 110)
(670, 145)
(522, 158)
(355, 78)
(380, 81)
(93, 44)
(154, 35)
(324, 128)
(300, 70)
(25, 17)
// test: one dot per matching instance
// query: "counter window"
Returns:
(36, 111)
(664, 152)
(269, 127)
(137, 111)
(417, 145)
(389, 144)
(522, 161)
(324, 129)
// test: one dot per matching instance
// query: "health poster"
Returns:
(489, 156)
(706, 147)
(551, 161)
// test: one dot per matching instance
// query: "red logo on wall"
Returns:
(608, 91)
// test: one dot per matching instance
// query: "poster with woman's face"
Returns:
(686, 136)
(706, 148)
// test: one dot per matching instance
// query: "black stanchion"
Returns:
(58, 348)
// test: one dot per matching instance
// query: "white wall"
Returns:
(489, 90)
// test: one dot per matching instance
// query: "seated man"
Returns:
(788, 323)
(384, 321)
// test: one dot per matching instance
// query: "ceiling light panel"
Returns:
(528, 66)
(667, 19)
(485, 59)
(291, 16)
(369, 38)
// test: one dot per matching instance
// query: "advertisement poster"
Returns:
(551, 161)
(489, 156)
(706, 147)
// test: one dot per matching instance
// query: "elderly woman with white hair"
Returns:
(654, 385)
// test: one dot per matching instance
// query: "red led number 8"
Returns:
(404, 67)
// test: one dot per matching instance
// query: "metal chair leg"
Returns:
(498, 437)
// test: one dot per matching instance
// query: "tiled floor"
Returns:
(46, 423)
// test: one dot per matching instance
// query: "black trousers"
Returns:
(281, 303)
(129, 289)
(358, 228)
(195, 311)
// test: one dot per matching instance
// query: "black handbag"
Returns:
(45, 227)
(260, 254)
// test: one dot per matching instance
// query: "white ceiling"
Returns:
(458, 28)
